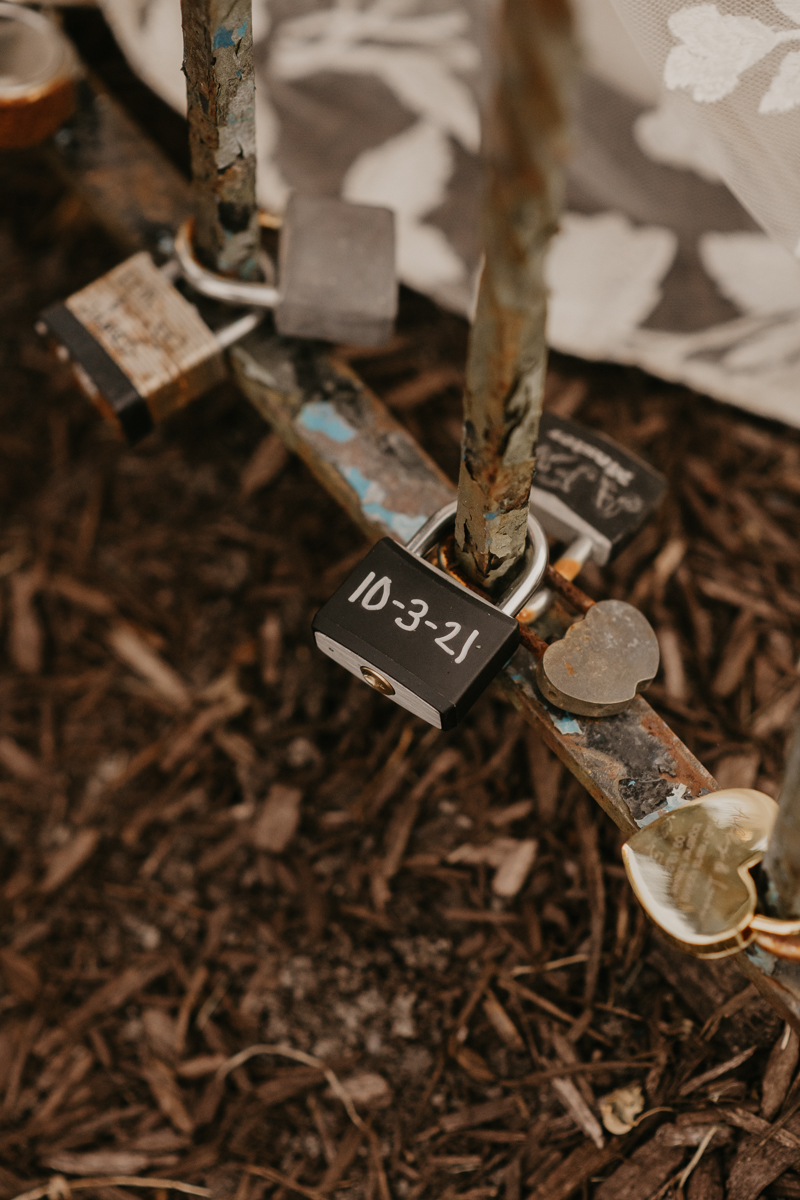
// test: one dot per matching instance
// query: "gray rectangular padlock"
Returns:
(416, 634)
(141, 350)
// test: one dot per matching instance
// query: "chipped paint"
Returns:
(762, 959)
(371, 494)
(218, 64)
(674, 799)
(565, 724)
(319, 416)
(223, 38)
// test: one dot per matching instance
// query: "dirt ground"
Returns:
(250, 941)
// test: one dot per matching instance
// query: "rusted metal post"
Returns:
(220, 86)
(525, 135)
(782, 860)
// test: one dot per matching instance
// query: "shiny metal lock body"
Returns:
(691, 871)
(416, 634)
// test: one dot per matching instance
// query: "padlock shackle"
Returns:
(219, 287)
(536, 555)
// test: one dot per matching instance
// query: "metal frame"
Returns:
(633, 765)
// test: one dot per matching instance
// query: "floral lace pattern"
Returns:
(716, 49)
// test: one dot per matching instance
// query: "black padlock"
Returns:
(416, 634)
(585, 484)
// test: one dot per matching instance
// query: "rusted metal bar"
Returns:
(633, 765)
(220, 87)
(523, 147)
(137, 194)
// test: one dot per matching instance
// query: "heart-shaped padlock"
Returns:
(691, 872)
(601, 662)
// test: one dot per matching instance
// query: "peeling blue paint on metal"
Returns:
(223, 38)
(490, 516)
(242, 30)
(677, 798)
(762, 959)
(565, 724)
(371, 494)
(320, 416)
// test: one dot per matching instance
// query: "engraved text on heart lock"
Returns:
(691, 869)
(600, 664)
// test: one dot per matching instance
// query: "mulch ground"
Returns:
(250, 937)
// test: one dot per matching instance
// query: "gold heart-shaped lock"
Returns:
(691, 871)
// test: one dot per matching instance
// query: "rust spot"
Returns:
(28, 120)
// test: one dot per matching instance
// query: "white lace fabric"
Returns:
(656, 264)
(732, 73)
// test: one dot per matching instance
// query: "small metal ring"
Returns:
(523, 586)
(219, 287)
(777, 926)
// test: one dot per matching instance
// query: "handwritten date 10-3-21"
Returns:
(375, 595)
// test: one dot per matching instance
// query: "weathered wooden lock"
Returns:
(417, 635)
(141, 350)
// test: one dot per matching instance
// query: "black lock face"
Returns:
(400, 624)
(585, 483)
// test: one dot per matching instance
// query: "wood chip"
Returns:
(487, 916)
(116, 992)
(739, 598)
(203, 1064)
(736, 656)
(503, 1025)
(18, 761)
(292, 1082)
(268, 460)
(20, 975)
(643, 1173)
(742, 1118)
(98, 1162)
(672, 660)
(579, 1110)
(63, 863)
(731, 1064)
(575, 1170)
(25, 633)
(493, 853)
(513, 871)
(778, 1074)
(755, 1165)
(81, 594)
(167, 1095)
(478, 1114)
(135, 652)
(777, 714)
(276, 824)
(367, 1089)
